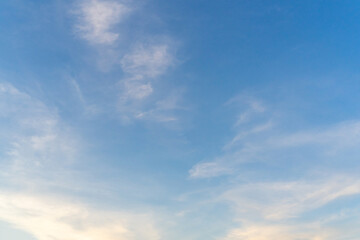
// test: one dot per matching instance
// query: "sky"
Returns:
(196, 120)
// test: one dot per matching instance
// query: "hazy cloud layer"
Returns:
(47, 217)
(40, 152)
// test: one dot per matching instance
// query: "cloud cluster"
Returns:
(142, 60)
(141, 65)
(38, 150)
(285, 198)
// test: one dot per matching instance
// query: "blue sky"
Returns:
(153, 119)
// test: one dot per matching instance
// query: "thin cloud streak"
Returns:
(274, 210)
(261, 139)
(284, 207)
(286, 200)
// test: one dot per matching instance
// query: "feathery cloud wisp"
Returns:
(147, 61)
(142, 63)
(142, 66)
(274, 210)
(97, 18)
(260, 138)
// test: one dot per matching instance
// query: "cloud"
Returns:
(147, 61)
(209, 169)
(142, 60)
(89, 109)
(38, 151)
(284, 200)
(136, 90)
(276, 210)
(280, 181)
(34, 140)
(143, 66)
(340, 136)
(96, 19)
(249, 124)
(253, 107)
(52, 218)
(260, 137)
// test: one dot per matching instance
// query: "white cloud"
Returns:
(147, 61)
(275, 210)
(142, 67)
(253, 130)
(340, 136)
(97, 18)
(51, 218)
(142, 61)
(34, 137)
(284, 200)
(37, 153)
(260, 137)
(209, 169)
(136, 90)
(251, 107)
(164, 110)
(291, 192)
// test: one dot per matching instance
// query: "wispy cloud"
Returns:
(143, 60)
(153, 109)
(143, 66)
(48, 217)
(251, 107)
(40, 152)
(97, 18)
(268, 204)
(209, 169)
(136, 90)
(274, 210)
(147, 60)
(284, 200)
(260, 138)
(36, 137)
(89, 109)
(249, 124)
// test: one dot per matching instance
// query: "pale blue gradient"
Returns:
(191, 120)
